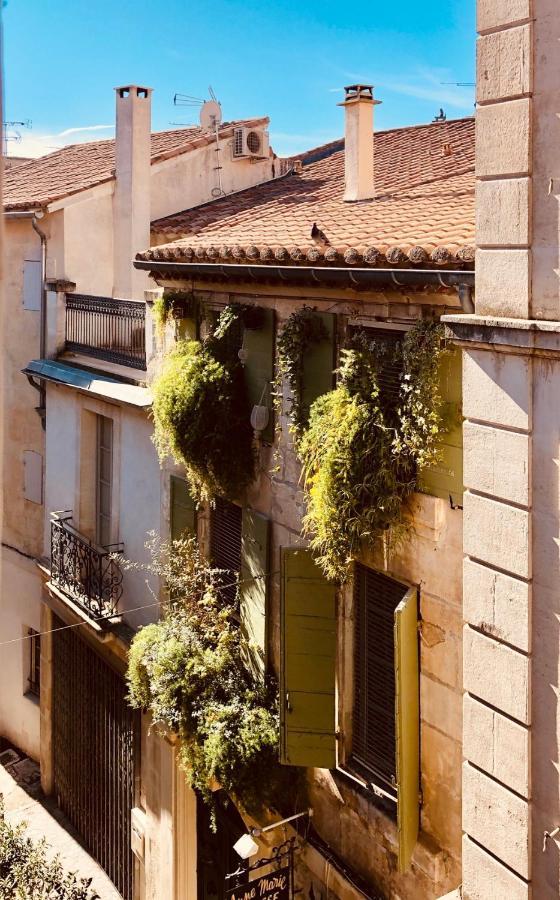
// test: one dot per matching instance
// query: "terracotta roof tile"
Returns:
(424, 199)
(80, 166)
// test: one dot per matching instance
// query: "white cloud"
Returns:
(33, 144)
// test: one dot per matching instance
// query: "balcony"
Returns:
(88, 575)
(108, 329)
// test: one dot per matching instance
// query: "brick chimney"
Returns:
(131, 200)
(358, 142)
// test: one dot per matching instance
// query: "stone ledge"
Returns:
(526, 336)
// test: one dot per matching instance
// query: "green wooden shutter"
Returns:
(253, 590)
(319, 363)
(446, 479)
(307, 667)
(407, 714)
(183, 510)
(259, 368)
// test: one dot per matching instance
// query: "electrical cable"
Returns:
(219, 590)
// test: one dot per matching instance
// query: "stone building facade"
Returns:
(510, 365)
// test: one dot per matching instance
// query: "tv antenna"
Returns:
(459, 83)
(210, 118)
(14, 135)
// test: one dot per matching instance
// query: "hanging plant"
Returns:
(188, 670)
(168, 305)
(361, 454)
(301, 330)
(202, 414)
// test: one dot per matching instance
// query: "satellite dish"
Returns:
(210, 114)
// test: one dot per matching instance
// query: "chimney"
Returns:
(131, 200)
(358, 142)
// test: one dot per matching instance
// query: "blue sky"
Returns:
(288, 60)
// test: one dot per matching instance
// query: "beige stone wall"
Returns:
(350, 823)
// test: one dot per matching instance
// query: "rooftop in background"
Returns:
(78, 167)
(422, 214)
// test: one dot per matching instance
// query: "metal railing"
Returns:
(108, 329)
(87, 574)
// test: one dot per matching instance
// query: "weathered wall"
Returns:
(349, 820)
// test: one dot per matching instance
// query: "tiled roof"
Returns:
(422, 214)
(80, 166)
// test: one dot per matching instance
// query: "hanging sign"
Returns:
(274, 886)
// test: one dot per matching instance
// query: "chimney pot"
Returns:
(358, 142)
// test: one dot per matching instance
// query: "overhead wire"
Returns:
(109, 616)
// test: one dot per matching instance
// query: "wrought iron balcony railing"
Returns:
(88, 575)
(113, 330)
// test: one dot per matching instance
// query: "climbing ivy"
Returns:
(189, 671)
(361, 453)
(163, 307)
(302, 329)
(201, 413)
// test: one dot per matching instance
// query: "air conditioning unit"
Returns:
(250, 143)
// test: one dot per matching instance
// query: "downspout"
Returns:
(42, 408)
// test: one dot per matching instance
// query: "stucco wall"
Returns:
(136, 482)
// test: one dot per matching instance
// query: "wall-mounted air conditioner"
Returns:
(250, 143)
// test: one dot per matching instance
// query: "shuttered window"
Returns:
(374, 730)
(225, 543)
(390, 373)
(104, 480)
(319, 363)
(258, 344)
(253, 588)
(446, 478)
(307, 663)
(182, 510)
(386, 726)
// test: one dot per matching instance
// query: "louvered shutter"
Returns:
(446, 479)
(253, 590)
(225, 543)
(408, 725)
(319, 363)
(307, 667)
(259, 368)
(183, 509)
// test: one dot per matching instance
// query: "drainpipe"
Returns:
(42, 408)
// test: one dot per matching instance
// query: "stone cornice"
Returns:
(520, 336)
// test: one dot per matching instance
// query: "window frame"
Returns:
(100, 481)
(34, 664)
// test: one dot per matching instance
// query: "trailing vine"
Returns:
(301, 330)
(201, 413)
(361, 454)
(189, 672)
(163, 308)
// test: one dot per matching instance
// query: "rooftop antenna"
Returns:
(210, 118)
(15, 136)
(459, 83)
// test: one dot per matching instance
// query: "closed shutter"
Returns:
(307, 667)
(253, 589)
(408, 725)
(446, 479)
(225, 544)
(376, 597)
(182, 510)
(391, 370)
(319, 363)
(259, 367)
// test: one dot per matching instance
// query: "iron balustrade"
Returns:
(113, 330)
(88, 575)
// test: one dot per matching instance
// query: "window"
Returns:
(104, 480)
(225, 544)
(182, 516)
(34, 678)
(374, 729)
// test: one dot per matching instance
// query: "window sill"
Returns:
(366, 789)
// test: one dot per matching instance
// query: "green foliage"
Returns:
(361, 454)
(189, 671)
(202, 414)
(164, 306)
(302, 329)
(26, 873)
